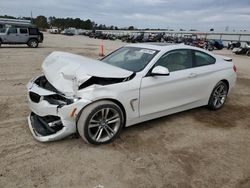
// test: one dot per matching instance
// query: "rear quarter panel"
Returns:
(212, 74)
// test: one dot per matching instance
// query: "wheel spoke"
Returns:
(91, 125)
(111, 130)
(103, 113)
(106, 113)
(222, 95)
(220, 89)
(96, 134)
(219, 102)
(109, 135)
(99, 134)
(94, 121)
(215, 101)
(113, 119)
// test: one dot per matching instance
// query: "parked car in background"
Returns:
(98, 35)
(54, 30)
(69, 32)
(155, 37)
(135, 83)
(231, 45)
(138, 37)
(244, 49)
(217, 44)
(30, 36)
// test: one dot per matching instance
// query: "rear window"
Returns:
(23, 31)
(33, 31)
(202, 59)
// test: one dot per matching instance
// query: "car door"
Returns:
(23, 35)
(159, 93)
(12, 35)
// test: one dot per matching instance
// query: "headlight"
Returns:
(57, 99)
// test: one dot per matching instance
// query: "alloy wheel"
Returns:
(33, 44)
(104, 124)
(219, 96)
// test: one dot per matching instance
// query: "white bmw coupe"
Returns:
(133, 84)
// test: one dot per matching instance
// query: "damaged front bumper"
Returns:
(53, 115)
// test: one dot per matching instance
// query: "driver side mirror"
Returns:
(160, 71)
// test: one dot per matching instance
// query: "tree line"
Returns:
(43, 22)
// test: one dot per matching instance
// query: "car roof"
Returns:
(164, 46)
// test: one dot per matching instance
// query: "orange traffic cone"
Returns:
(101, 52)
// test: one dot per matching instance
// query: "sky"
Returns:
(166, 14)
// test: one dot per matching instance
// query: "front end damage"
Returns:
(55, 98)
(53, 115)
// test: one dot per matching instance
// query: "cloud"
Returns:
(141, 13)
(144, 17)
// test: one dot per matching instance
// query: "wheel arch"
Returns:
(226, 82)
(32, 38)
(105, 99)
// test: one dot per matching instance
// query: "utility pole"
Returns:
(31, 17)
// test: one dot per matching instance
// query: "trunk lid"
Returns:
(225, 58)
(66, 71)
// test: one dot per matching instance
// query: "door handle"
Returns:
(192, 75)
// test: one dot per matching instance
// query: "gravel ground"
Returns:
(196, 148)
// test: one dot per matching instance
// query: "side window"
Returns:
(176, 60)
(23, 31)
(33, 31)
(2, 30)
(202, 59)
(12, 30)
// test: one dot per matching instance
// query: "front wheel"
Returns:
(33, 43)
(218, 96)
(100, 122)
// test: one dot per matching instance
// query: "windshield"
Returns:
(130, 58)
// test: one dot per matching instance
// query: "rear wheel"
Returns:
(33, 43)
(100, 122)
(248, 53)
(218, 96)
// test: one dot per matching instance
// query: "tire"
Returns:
(218, 96)
(33, 43)
(248, 52)
(101, 131)
(0, 42)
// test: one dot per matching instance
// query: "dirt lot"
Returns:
(197, 148)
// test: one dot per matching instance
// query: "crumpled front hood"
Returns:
(66, 71)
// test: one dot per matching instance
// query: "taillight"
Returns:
(235, 69)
